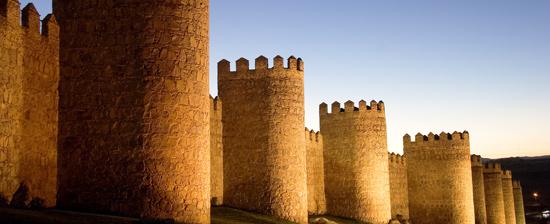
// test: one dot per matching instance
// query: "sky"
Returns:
(481, 66)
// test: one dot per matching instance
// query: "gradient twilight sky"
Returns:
(481, 66)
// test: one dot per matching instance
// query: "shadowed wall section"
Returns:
(134, 111)
(29, 65)
(264, 154)
(440, 178)
(357, 182)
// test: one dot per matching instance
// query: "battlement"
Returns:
(476, 161)
(492, 168)
(396, 158)
(516, 184)
(312, 135)
(29, 18)
(506, 174)
(430, 138)
(349, 107)
(215, 103)
(261, 64)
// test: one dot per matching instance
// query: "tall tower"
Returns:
(518, 203)
(440, 178)
(263, 137)
(494, 199)
(317, 204)
(508, 195)
(356, 161)
(398, 186)
(216, 151)
(134, 111)
(479, 190)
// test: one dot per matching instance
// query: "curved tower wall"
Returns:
(494, 199)
(356, 161)
(263, 137)
(216, 151)
(479, 190)
(508, 195)
(440, 178)
(518, 203)
(134, 109)
(398, 186)
(315, 173)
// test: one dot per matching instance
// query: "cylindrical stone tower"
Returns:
(263, 137)
(479, 190)
(508, 195)
(317, 204)
(399, 187)
(134, 111)
(440, 178)
(216, 151)
(518, 203)
(494, 199)
(356, 161)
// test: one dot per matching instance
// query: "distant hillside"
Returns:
(534, 174)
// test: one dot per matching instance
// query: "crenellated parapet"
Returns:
(516, 184)
(492, 168)
(476, 161)
(395, 158)
(350, 107)
(294, 66)
(215, 103)
(443, 137)
(506, 174)
(313, 136)
(28, 20)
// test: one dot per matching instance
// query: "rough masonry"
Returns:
(216, 151)
(479, 190)
(440, 178)
(264, 153)
(494, 199)
(29, 64)
(134, 111)
(518, 203)
(356, 161)
(399, 192)
(315, 173)
(508, 196)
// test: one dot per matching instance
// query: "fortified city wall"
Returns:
(356, 161)
(264, 154)
(440, 178)
(398, 186)
(508, 195)
(134, 104)
(315, 173)
(29, 64)
(518, 203)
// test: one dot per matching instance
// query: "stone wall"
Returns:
(356, 161)
(518, 203)
(440, 178)
(479, 190)
(494, 199)
(264, 154)
(216, 151)
(398, 186)
(29, 64)
(508, 195)
(315, 173)
(134, 111)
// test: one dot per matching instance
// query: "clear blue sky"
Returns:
(481, 66)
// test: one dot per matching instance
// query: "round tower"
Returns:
(479, 190)
(356, 161)
(134, 109)
(440, 178)
(518, 203)
(398, 186)
(508, 195)
(263, 137)
(315, 173)
(494, 199)
(216, 151)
